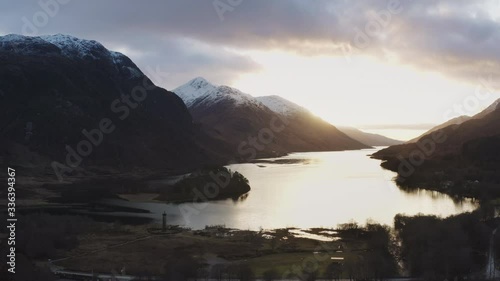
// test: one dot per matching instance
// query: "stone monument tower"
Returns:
(164, 225)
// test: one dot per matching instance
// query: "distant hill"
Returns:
(456, 135)
(459, 159)
(368, 138)
(455, 121)
(459, 120)
(236, 119)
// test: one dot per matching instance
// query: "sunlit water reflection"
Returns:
(322, 189)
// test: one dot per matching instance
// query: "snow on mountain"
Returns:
(237, 96)
(26, 45)
(281, 105)
(75, 47)
(194, 89)
(200, 91)
(70, 47)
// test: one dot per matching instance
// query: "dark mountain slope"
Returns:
(455, 121)
(53, 88)
(458, 159)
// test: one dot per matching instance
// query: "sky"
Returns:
(395, 67)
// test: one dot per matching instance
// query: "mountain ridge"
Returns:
(460, 159)
(231, 115)
(58, 87)
(369, 138)
(459, 120)
(200, 87)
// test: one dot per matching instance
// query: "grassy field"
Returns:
(133, 248)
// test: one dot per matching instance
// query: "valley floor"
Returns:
(210, 252)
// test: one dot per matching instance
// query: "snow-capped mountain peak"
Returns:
(281, 105)
(237, 96)
(70, 47)
(198, 82)
(75, 47)
(199, 90)
(27, 45)
(193, 90)
(66, 45)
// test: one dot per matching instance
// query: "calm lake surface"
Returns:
(320, 189)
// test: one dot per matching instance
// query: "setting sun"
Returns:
(360, 91)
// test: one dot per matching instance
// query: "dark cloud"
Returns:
(457, 37)
(184, 59)
(149, 34)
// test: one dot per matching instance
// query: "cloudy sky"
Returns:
(394, 67)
